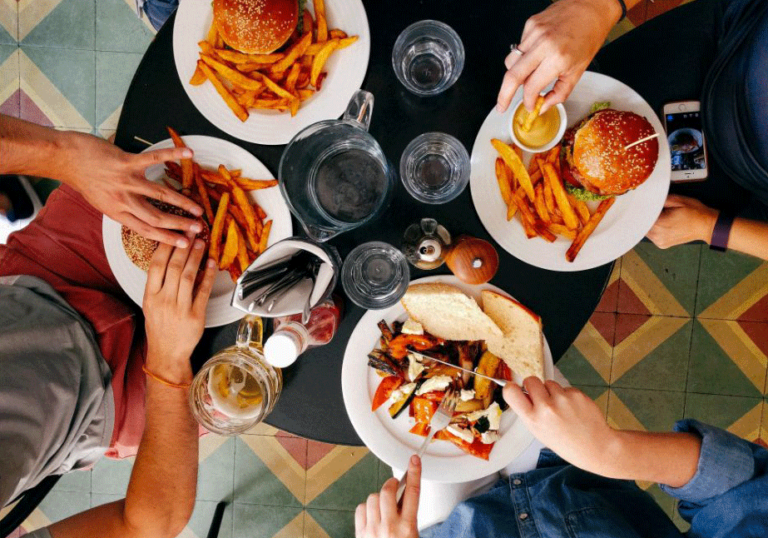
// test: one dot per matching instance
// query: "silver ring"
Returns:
(514, 48)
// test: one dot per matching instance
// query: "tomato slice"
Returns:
(475, 448)
(423, 409)
(387, 386)
(420, 429)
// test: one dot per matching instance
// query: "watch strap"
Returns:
(721, 232)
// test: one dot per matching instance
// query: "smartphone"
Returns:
(687, 147)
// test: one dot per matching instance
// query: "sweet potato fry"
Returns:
(503, 179)
(318, 62)
(206, 202)
(293, 53)
(322, 23)
(254, 184)
(532, 115)
(235, 77)
(242, 250)
(264, 239)
(588, 228)
(218, 228)
(569, 215)
(516, 165)
(237, 108)
(186, 164)
(212, 177)
(231, 246)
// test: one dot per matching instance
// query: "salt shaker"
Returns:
(426, 244)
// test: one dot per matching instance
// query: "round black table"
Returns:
(311, 404)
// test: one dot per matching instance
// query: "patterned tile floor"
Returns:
(679, 333)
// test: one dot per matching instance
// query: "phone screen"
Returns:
(686, 141)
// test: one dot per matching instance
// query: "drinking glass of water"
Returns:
(375, 275)
(428, 57)
(435, 168)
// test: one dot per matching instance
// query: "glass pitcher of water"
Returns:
(334, 175)
(237, 387)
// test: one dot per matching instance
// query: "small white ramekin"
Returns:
(546, 147)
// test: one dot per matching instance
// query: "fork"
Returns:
(440, 420)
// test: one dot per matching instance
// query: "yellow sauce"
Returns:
(543, 130)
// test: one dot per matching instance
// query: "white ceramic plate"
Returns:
(210, 153)
(389, 439)
(346, 69)
(626, 222)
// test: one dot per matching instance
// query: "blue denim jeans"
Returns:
(158, 11)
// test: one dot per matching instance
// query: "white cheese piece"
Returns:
(412, 327)
(489, 437)
(414, 367)
(467, 395)
(403, 390)
(493, 413)
(461, 433)
(439, 382)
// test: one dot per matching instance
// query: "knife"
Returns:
(499, 382)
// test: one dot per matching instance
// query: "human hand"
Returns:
(380, 517)
(565, 420)
(557, 45)
(113, 182)
(174, 311)
(681, 221)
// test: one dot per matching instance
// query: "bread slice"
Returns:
(446, 312)
(522, 344)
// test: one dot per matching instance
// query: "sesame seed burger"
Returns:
(255, 26)
(594, 162)
(140, 249)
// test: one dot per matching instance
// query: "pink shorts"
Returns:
(63, 247)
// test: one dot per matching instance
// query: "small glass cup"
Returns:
(237, 388)
(435, 168)
(375, 275)
(428, 57)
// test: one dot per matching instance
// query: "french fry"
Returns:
(237, 108)
(237, 172)
(294, 106)
(242, 58)
(254, 184)
(315, 48)
(541, 205)
(581, 209)
(276, 88)
(206, 202)
(543, 231)
(173, 170)
(516, 165)
(503, 180)
(213, 177)
(536, 176)
(186, 164)
(337, 34)
(198, 77)
(293, 53)
(242, 202)
(322, 23)
(549, 198)
(531, 117)
(318, 62)
(306, 94)
(553, 155)
(212, 35)
(242, 250)
(308, 23)
(293, 76)
(219, 41)
(231, 246)
(563, 230)
(518, 150)
(569, 215)
(259, 211)
(207, 48)
(588, 228)
(264, 239)
(232, 75)
(251, 67)
(526, 217)
(218, 228)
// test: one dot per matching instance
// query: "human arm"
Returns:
(110, 179)
(558, 44)
(381, 517)
(161, 491)
(686, 219)
(568, 422)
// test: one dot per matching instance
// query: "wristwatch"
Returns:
(722, 231)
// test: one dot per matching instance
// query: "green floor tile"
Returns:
(119, 29)
(352, 488)
(9, 23)
(720, 411)
(577, 369)
(71, 25)
(59, 505)
(111, 476)
(677, 268)
(337, 524)
(73, 72)
(720, 272)
(713, 371)
(114, 72)
(254, 521)
(656, 410)
(216, 474)
(74, 481)
(6, 51)
(255, 483)
(664, 368)
(202, 517)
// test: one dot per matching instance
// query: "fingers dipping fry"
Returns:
(588, 228)
(531, 117)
